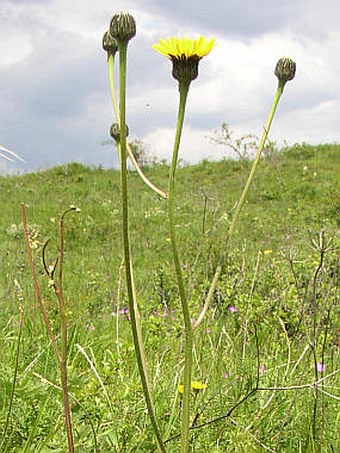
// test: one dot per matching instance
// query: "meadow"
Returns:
(266, 357)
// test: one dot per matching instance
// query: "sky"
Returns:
(55, 104)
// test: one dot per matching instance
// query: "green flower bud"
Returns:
(123, 27)
(115, 132)
(109, 43)
(285, 70)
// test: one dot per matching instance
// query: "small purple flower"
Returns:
(232, 308)
(90, 326)
(208, 331)
(320, 367)
(225, 375)
(123, 311)
(262, 369)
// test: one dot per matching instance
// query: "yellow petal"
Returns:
(184, 47)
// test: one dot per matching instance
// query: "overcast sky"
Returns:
(54, 96)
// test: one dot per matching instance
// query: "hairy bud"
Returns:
(109, 43)
(285, 70)
(115, 132)
(123, 27)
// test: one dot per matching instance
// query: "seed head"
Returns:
(123, 27)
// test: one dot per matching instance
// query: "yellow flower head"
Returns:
(267, 252)
(184, 47)
(196, 386)
(185, 54)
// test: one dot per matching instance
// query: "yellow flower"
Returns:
(184, 47)
(185, 54)
(196, 386)
(267, 252)
(180, 389)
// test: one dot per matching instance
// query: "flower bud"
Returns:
(123, 27)
(285, 70)
(185, 69)
(115, 132)
(109, 43)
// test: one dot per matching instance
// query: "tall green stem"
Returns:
(251, 175)
(240, 203)
(183, 92)
(151, 185)
(111, 69)
(133, 308)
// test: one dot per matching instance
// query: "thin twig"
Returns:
(36, 286)
(251, 393)
(57, 288)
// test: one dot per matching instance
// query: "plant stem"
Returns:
(58, 289)
(63, 368)
(239, 205)
(61, 355)
(256, 161)
(183, 92)
(36, 286)
(133, 308)
(144, 178)
(111, 68)
(15, 375)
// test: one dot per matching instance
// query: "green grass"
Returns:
(271, 278)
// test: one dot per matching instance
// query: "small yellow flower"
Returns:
(185, 54)
(267, 252)
(180, 389)
(196, 386)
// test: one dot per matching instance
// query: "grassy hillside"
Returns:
(277, 301)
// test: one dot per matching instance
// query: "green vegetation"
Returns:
(273, 323)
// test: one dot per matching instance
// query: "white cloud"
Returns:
(194, 145)
(309, 124)
(54, 96)
(237, 82)
(13, 48)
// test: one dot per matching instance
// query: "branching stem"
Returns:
(144, 178)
